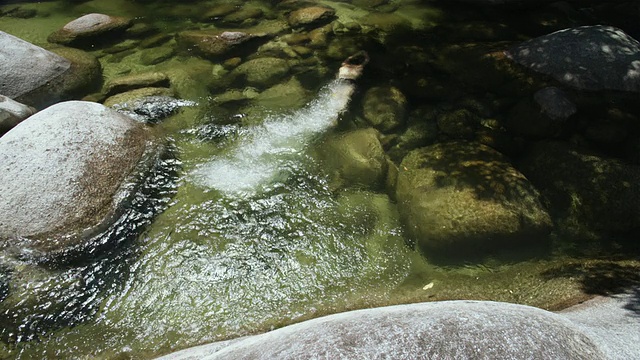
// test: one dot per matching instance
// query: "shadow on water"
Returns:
(66, 291)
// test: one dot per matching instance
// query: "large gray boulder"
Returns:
(26, 67)
(588, 57)
(63, 172)
(464, 198)
(436, 330)
(37, 77)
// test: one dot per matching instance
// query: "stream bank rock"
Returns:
(37, 77)
(464, 198)
(587, 58)
(12, 113)
(90, 29)
(435, 330)
(63, 175)
(590, 195)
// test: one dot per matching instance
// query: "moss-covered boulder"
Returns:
(310, 16)
(136, 81)
(355, 158)
(384, 107)
(288, 95)
(262, 72)
(465, 198)
(591, 196)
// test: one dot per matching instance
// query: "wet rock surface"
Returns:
(63, 171)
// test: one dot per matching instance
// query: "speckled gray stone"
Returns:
(26, 67)
(436, 330)
(61, 173)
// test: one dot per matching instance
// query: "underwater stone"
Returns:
(216, 43)
(384, 107)
(261, 72)
(310, 16)
(156, 55)
(62, 177)
(136, 94)
(89, 28)
(355, 158)
(136, 81)
(590, 196)
(464, 198)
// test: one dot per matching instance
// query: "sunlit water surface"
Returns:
(237, 231)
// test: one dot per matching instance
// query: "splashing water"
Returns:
(261, 156)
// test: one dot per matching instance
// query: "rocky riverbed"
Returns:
(175, 174)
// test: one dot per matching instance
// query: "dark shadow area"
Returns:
(603, 277)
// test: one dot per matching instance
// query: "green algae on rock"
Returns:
(464, 198)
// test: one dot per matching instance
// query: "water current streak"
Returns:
(262, 152)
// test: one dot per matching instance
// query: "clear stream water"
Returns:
(238, 229)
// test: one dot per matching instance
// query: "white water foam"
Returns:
(261, 153)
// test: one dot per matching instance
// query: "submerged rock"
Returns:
(91, 28)
(355, 158)
(12, 113)
(590, 195)
(216, 44)
(136, 81)
(384, 107)
(151, 109)
(63, 175)
(588, 57)
(435, 330)
(310, 16)
(261, 72)
(464, 198)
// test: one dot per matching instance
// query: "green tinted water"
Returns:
(206, 252)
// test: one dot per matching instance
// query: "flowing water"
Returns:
(239, 228)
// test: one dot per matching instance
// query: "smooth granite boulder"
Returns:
(587, 57)
(63, 175)
(436, 330)
(26, 67)
(37, 77)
